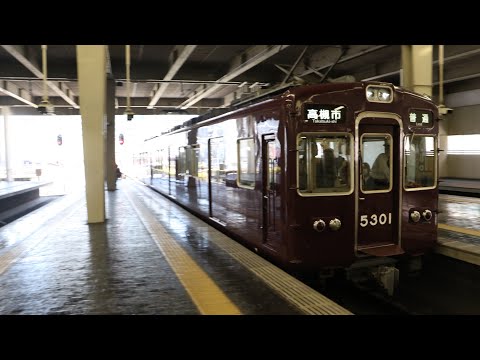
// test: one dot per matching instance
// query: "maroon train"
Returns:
(316, 178)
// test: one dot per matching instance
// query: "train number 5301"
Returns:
(375, 219)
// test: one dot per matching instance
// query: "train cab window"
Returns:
(420, 162)
(376, 155)
(324, 164)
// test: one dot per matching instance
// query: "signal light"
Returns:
(121, 139)
(59, 140)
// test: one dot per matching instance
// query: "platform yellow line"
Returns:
(459, 229)
(207, 296)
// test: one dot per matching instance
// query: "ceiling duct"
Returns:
(45, 107)
(128, 111)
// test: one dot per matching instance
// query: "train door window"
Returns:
(164, 162)
(273, 170)
(172, 156)
(376, 157)
(420, 162)
(192, 159)
(181, 162)
(156, 164)
(246, 163)
(324, 164)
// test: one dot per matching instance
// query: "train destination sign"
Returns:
(324, 114)
(420, 118)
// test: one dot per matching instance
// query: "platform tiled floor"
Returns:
(71, 267)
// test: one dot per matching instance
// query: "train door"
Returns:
(378, 187)
(270, 189)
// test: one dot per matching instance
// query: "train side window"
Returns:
(324, 163)
(246, 163)
(217, 160)
(420, 162)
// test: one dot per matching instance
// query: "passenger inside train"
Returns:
(380, 171)
(326, 170)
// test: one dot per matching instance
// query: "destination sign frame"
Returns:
(324, 114)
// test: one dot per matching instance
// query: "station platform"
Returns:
(20, 197)
(458, 222)
(149, 257)
(153, 257)
(454, 186)
(14, 188)
(459, 227)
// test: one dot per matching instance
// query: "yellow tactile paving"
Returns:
(207, 296)
(306, 299)
(459, 229)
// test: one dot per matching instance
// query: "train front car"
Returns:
(364, 190)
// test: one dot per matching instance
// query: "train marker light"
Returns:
(319, 225)
(427, 215)
(415, 216)
(335, 224)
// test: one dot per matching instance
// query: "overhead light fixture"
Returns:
(129, 114)
(174, 112)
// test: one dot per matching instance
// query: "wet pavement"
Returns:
(462, 212)
(53, 262)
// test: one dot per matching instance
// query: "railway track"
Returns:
(445, 286)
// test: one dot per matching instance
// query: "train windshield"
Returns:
(420, 162)
(324, 163)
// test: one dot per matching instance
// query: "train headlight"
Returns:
(370, 94)
(378, 93)
(335, 224)
(384, 94)
(319, 225)
(415, 216)
(427, 215)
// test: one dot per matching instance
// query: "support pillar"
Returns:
(110, 156)
(91, 65)
(417, 68)
(8, 143)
